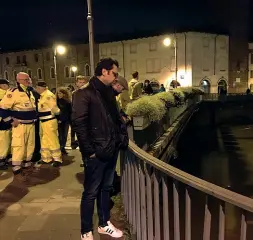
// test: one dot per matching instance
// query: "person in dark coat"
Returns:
(64, 119)
(147, 89)
(97, 123)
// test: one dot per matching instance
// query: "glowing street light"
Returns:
(166, 42)
(73, 68)
(59, 49)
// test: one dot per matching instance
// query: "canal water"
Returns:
(220, 152)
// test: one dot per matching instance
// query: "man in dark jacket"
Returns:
(97, 123)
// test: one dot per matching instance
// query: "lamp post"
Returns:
(167, 42)
(59, 49)
(91, 36)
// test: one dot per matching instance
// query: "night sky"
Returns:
(29, 24)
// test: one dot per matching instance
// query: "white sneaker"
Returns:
(87, 236)
(110, 230)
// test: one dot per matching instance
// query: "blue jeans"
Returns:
(98, 184)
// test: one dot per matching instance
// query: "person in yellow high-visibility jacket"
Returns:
(19, 103)
(5, 128)
(47, 110)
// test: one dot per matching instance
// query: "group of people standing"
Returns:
(34, 124)
(96, 114)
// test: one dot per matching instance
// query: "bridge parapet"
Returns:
(163, 202)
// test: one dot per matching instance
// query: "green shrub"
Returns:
(147, 106)
(166, 97)
(154, 107)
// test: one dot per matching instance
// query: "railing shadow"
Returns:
(15, 191)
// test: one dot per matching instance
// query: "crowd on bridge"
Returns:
(34, 124)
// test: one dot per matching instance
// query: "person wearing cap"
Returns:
(47, 111)
(120, 87)
(5, 128)
(19, 104)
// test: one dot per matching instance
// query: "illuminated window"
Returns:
(6, 75)
(18, 59)
(36, 57)
(87, 70)
(52, 73)
(39, 72)
(66, 72)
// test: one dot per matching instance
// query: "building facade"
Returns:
(193, 59)
(39, 64)
(250, 64)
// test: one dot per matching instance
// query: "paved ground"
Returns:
(49, 207)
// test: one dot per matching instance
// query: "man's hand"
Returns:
(15, 123)
(93, 155)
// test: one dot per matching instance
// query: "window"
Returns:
(7, 61)
(223, 64)
(52, 72)
(133, 48)
(251, 58)
(152, 46)
(153, 66)
(114, 51)
(223, 44)
(66, 72)
(6, 75)
(24, 59)
(103, 52)
(48, 56)
(29, 73)
(205, 42)
(205, 60)
(86, 52)
(18, 59)
(133, 66)
(72, 73)
(36, 57)
(14, 74)
(251, 73)
(87, 70)
(39, 72)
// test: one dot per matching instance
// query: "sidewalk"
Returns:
(49, 208)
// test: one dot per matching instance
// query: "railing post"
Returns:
(187, 214)
(166, 223)
(133, 199)
(222, 221)
(176, 211)
(157, 206)
(143, 190)
(149, 207)
(207, 222)
(137, 195)
(243, 227)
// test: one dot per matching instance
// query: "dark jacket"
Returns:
(97, 131)
(66, 110)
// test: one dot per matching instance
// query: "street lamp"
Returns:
(91, 36)
(167, 42)
(73, 68)
(59, 49)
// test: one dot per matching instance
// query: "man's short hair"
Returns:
(135, 74)
(81, 77)
(105, 63)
